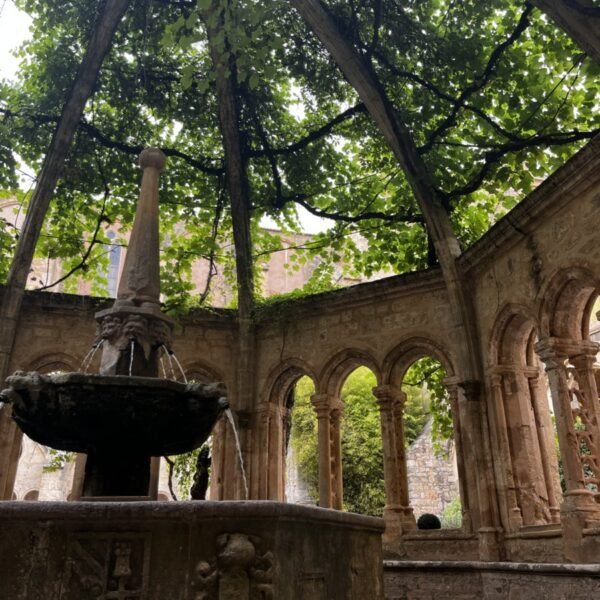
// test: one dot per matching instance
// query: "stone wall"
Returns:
(489, 581)
(432, 476)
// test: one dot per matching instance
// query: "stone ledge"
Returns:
(185, 511)
(438, 534)
(522, 567)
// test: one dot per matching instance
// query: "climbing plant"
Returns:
(493, 95)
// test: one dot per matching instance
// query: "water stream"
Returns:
(89, 357)
(231, 420)
(131, 357)
(166, 351)
(180, 367)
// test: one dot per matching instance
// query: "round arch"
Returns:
(567, 303)
(283, 378)
(404, 354)
(54, 361)
(339, 366)
(202, 372)
(512, 333)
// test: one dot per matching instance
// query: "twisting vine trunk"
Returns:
(360, 74)
(235, 165)
(238, 187)
(110, 15)
(579, 18)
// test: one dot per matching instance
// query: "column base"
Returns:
(398, 519)
(578, 511)
(489, 544)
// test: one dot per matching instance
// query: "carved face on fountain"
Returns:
(110, 328)
(135, 328)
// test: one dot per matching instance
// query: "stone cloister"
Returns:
(534, 279)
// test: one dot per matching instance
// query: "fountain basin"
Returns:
(78, 412)
(188, 550)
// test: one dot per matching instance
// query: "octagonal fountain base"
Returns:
(187, 551)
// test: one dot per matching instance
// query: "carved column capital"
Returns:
(387, 396)
(322, 404)
(553, 352)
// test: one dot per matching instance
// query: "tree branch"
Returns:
(313, 135)
(83, 262)
(481, 80)
(131, 149)
(493, 156)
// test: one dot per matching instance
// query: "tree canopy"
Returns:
(493, 95)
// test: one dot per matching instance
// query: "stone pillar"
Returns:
(154, 477)
(398, 514)
(78, 477)
(545, 433)
(275, 466)
(260, 479)
(487, 526)
(461, 460)
(336, 413)
(10, 449)
(322, 407)
(578, 506)
(527, 455)
(513, 517)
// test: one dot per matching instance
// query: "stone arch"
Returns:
(202, 372)
(512, 336)
(567, 303)
(338, 367)
(527, 467)
(282, 379)
(273, 423)
(404, 354)
(32, 495)
(54, 361)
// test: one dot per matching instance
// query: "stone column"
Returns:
(322, 407)
(545, 433)
(275, 453)
(475, 417)
(584, 366)
(398, 514)
(578, 506)
(10, 449)
(337, 411)
(260, 478)
(78, 476)
(461, 460)
(527, 454)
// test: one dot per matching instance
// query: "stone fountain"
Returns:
(121, 550)
(125, 415)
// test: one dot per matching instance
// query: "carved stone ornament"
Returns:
(239, 572)
(107, 566)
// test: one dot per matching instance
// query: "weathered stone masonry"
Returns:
(534, 277)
